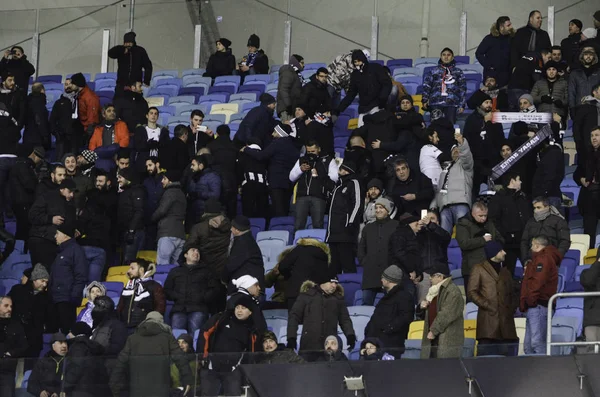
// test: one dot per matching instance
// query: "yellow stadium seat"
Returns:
(155, 101)
(228, 109)
(416, 330)
(84, 302)
(471, 329)
(520, 326)
(580, 242)
(417, 98)
(353, 124)
(147, 255)
(122, 278)
(590, 258)
(117, 270)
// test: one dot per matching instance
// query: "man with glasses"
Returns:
(315, 94)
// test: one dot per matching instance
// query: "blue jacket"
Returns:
(154, 190)
(493, 54)
(281, 156)
(202, 186)
(69, 273)
(455, 87)
(258, 123)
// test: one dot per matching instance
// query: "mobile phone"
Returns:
(202, 128)
(423, 214)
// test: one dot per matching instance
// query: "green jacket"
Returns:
(469, 235)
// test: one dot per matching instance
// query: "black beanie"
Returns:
(253, 41)
(477, 99)
(266, 99)
(78, 79)
(577, 23)
(223, 130)
(81, 328)
(129, 37)
(226, 43)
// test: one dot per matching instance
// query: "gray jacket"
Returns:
(554, 227)
(460, 180)
(289, 89)
(559, 93)
(170, 213)
(580, 85)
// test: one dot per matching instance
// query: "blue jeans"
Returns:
(535, 330)
(169, 250)
(369, 296)
(451, 214)
(97, 259)
(6, 164)
(130, 250)
(190, 321)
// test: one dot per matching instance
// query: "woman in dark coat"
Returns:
(222, 62)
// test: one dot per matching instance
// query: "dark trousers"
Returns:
(23, 225)
(66, 313)
(342, 257)
(230, 202)
(466, 284)
(42, 251)
(512, 254)
(280, 201)
(313, 206)
(497, 347)
(7, 383)
(589, 209)
(449, 112)
(255, 200)
(6, 164)
(214, 383)
(66, 144)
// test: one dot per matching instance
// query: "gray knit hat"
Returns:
(386, 203)
(528, 97)
(39, 272)
(332, 337)
(393, 274)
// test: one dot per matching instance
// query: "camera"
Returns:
(310, 159)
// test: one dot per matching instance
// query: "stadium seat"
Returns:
(177, 332)
(197, 81)
(165, 74)
(257, 89)
(226, 109)
(377, 61)
(454, 258)
(185, 111)
(238, 117)
(569, 303)
(282, 236)
(575, 255)
(244, 95)
(165, 268)
(581, 243)
(8, 283)
(351, 282)
(182, 99)
(416, 330)
(578, 270)
(216, 118)
(50, 78)
(276, 325)
(469, 348)
(120, 278)
(471, 311)
(228, 79)
(167, 91)
(166, 110)
(176, 82)
(248, 106)
(462, 59)
(457, 277)
(412, 349)
(105, 85)
(318, 234)
(193, 72)
(175, 120)
(306, 74)
(220, 98)
(412, 72)
(314, 66)
(283, 334)
(470, 329)
(470, 68)
(250, 79)
(117, 270)
(196, 92)
(223, 89)
(160, 278)
(147, 255)
(405, 62)
(359, 323)
(567, 267)
(257, 225)
(358, 298)
(563, 330)
(105, 76)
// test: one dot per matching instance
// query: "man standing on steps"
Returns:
(134, 63)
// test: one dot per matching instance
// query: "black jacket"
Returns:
(175, 156)
(21, 68)
(486, 152)
(12, 118)
(212, 240)
(319, 186)
(35, 313)
(130, 208)
(245, 258)
(549, 173)
(146, 148)
(258, 123)
(590, 280)
(433, 242)
(23, 182)
(69, 273)
(85, 373)
(261, 63)
(110, 333)
(44, 208)
(45, 185)
(392, 317)
(554, 227)
(62, 124)
(281, 155)
(37, 127)
(170, 213)
(404, 251)
(220, 64)
(13, 342)
(99, 218)
(373, 250)
(345, 211)
(47, 375)
(315, 96)
(527, 70)
(289, 89)
(139, 300)
(520, 42)
(224, 156)
(132, 65)
(192, 288)
(570, 49)
(510, 210)
(586, 119)
(419, 185)
(493, 53)
(131, 107)
(322, 133)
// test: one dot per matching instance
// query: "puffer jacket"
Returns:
(193, 288)
(590, 280)
(373, 250)
(558, 91)
(455, 86)
(69, 273)
(202, 186)
(339, 72)
(493, 53)
(85, 372)
(13, 342)
(171, 211)
(88, 107)
(457, 180)
(213, 236)
(289, 87)
(554, 227)
(581, 82)
(434, 241)
(469, 235)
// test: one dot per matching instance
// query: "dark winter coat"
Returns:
(23, 181)
(143, 146)
(69, 273)
(34, 311)
(558, 91)
(175, 156)
(322, 134)
(281, 156)
(418, 184)
(99, 218)
(519, 45)
(213, 240)
(258, 123)
(12, 341)
(554, 227)
(47, 375)
(493, 53)
(10, 132)
(85, 373)
(404, 251)
(308, 260)
(408, 142)
(192, 288)
(197, 140)
(220, 64)
(279, 356)
(320, 315)
(111, 334)
(549, 173)
(433, 243)
(261, 63)
(345, 211)
(315, 96)
(245, 258)
(147, 359)
(170, 213)
(130, 208)
(289, 89)
(21, 68)
(590, 280)
(469, 235)
(16, 103)
(131, 107)
(154, 191)
(581, 82)
(486, 152)
(224, 156)
(62, 123)
(135, 304)
(528, 69)
(131, 64)
(37, 127)
(44, 208)
(391, 319)
(570, 49)
(510, 210)
(203, 185)
(373, 253)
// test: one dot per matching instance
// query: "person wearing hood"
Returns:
(251, 175)
(64, 122)
(547, 221)
(550, 94)
(186, 344)
(258, 123)
(15, 62)
(202, 186)
(374, 191)
(47, 375)
(194, 288)
(107, 329)
(147, 358)
(473, 231)
(582, 80)
(333, 350)
(540, 283)
(245, 257)
(345, 214)
(587, 176)
(130, 213)
(315, 94)
(275, 353)
(493, 53)
(112, 131)
(407, 117)
(529, 38)
(411, 190)
(222, 62)
(528, 69)
(490, 87)
(371, 349)
(445, 87)
(373, 248)
(88, 103)
(256, 61)
(371, 83)
(92, 291)
(131, 106)
(13, 346)
(141, 294)
(37, 128)
(586, 120)
(289, 87)
(225, 155)
(570, 45)
(133, 62)
(491, 288)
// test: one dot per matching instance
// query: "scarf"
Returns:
(532, 39)
(446, 78)
(299, 73)
(87, 314)
(251, 58)
(541, 215)
(322, 119)
(108, 134)
(446, 173)
(434, 290)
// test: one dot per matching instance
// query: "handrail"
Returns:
(549, 342)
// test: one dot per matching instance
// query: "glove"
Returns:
(547, 99)
(559, 103)
(130, 237)
(291, 343)
(351, 342)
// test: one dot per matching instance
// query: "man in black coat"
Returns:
(570, 45)
(37, 128)
(251, 175)
(258, 123)
(245, 257)
(493, 53)
(64, 122)
(15, 62)
(404, 251)
(529, 38)
(130, 105)
(134, 64)
(130, 213)
(224, 156)
(528, 69)
(256, 61)
(176, 156)
(47, 375)
(315, 95)
(411, 190)
(433, 242)
(549, 174)
(14, 99)
(289, 87)
(586, 120)
(108, 330)
(222, 62)
(13, 346)
(393, 314)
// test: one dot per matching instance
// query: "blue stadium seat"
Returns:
(377, 61)
(166, 110)
(50, 78)
(223, 89)
(471, 312)
(196, 336)
(248, 106)
(193, 72)
(165, 268)
(228, 79)
(318, 234)
(457, 277)
(563, 330)
(277, 324)
(8, 283)
(283, 334)
(167, 73)
(186, 110)
(360, 321)
(421, 61)
(314, 66)
(405, 62)
(412, 349)
(175, 82)
(462, 59)
(567, 267)
(250, 79)
(105, 76)
(167, 91)
(257, 225)
(351, 283)
(184, 99)
(575, 255)
(282, 236)
(306, 74)
(196, 81)
(236, 117)
(275, 68)
(177, 332)
(217, 118)
(470, 68)
(258, 89)
(358, 298)
(105, 97)
(174, 120)
(408, 72)
(160, 278)
(220, 98)
(243, 96)
(105, 85)
(196, 92)
(168, 309)
(454, 258)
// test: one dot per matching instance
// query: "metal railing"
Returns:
(549, 342)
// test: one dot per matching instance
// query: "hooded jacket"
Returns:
(456, 180)
(493, 53)
(520, 44)
(570, 49)
(540, 280)
(315, 96)
(469, 235)
(220, 64)
(132, 65)
(88, 106)
(289, 87)
(109, 332)
(373, 250)
(433, 242)
(62, 124)
(193, 288)
(448, 79)
(345, 211)
(554, 227)
(170, 214)
(37, 128)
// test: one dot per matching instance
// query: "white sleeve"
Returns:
(296, 172)
(333, 171)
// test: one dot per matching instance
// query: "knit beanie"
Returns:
(375, 183)
(172, 175)
(81, 328)
(578, 23)
(393, 274)
(244, 282)
(349, 166)
(385, 203)
(39, 272)
(269, 335)
(266, 99)
(477, 99)
(129, 37)
(226, 43)
(246, 301)
(78, 79)
(528, 97)
(590, 33)
(188, 339)
(332, 337)
(253, 41)
(492, 248)
(128, 173)
(597, 15)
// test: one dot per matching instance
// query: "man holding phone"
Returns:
(199, 135)
(15, 61)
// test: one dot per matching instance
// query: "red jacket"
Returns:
(540, 280)
(121, 135)
(89, 107)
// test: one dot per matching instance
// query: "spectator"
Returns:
(64, 121)
(113, 131)
(443, 331)
(258, 123)
(149, 139)
(256, 61)
(248, 286)
(445, 87)
(549, 172)
(319, 128)
(310, 259)
(433, 242)
(123, 158)
(590, 280)
(170, 216)
(186, 344)
(13, 346)
(15, 62)
(47, 375)
(393, 314)
(176, 155)
(245, 257)
(550, 93)
(222, 62)
(582, 80)
(548, 222)
(404, 252)
(133, 62)
(194, 288)
(370, 82)
(589, 194)
(152, 338)
(473, 231)
(289, 87)
(373, 249)
(203, 185)
(510, 210)
(315, 95)
(558, 58)
(37, 128)
(86, 161)
(429, 157)
(32, 306)
(48, 212)
(108, 330)
(58, 173)
(371, 349)
(224, 154)
(277, 353)
(570, 46)
(490, 87)
(274, 279)
(130, 213)
(130, 105)
(224, 340)
(530, 38)
(396, 94)
(526, 72)
(493, 53)
(357, 153)
(141, 294)
(320, 308)
(491, 289)
(586, 121)
(154, 190)
(83, 184)
(92, 291)
(88, 104)
(280, 155)
(345, 213)
(455, 189)
(339, 72)
(333, 350)
(374, 191)
(198, 135)
(410, 189)
(251, 175)
(316, 176)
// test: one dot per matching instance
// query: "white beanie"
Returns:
(590, 33)
(245, 282)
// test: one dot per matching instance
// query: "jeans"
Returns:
(448, 112)
(535, 330)
(6, 164)
(369, 296)
(169, 250)
(130, 250)
(212, 382)
(190, 321)
(513, 98)
(313, 206)
(97, 259)
(451, 214)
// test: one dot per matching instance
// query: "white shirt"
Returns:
(429, 164)
(153, 133)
